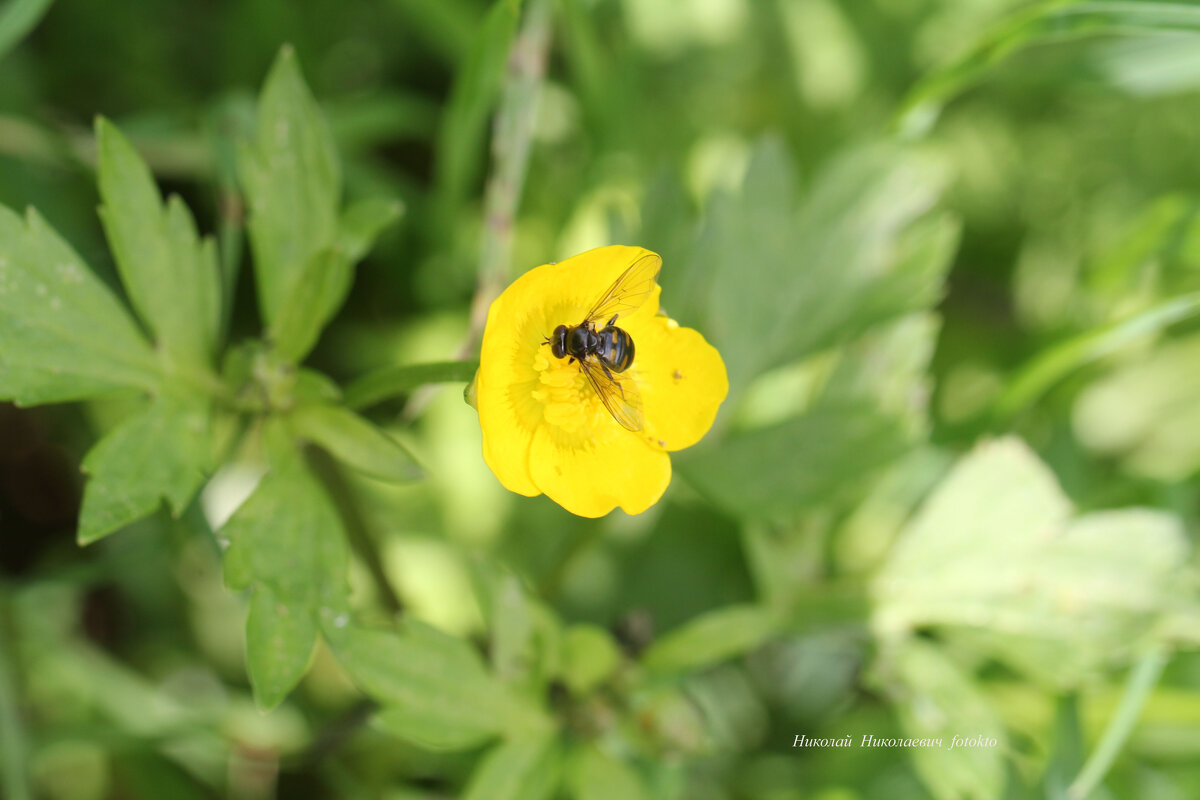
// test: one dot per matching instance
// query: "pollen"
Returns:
(568, 402)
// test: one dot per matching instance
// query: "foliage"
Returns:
(248, 548)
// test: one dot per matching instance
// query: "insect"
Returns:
(605, 353)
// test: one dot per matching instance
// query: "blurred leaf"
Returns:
(592, 774)
(394, 381)
(711, 638)
(321, 287)
(935, 700)
(18, 18)
(171, 276)
(292, 180)
(524, 769)
(63, 336)
(361, 223)
(448, 25)
(1043, 22)
(1142, 680)
(354, 441)
(324, 280)
(162, 452)
(994, 559)
(803, 462)
(1055, 363)
(827, 272)
(286, 542)
(460, 145)
(433, 687)
(590, 656)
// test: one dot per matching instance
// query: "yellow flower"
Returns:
(545, 430)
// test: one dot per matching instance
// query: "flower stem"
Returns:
(393, 381)
(357, 528)
(511, 139)
(13, 746)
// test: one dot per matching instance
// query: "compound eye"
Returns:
(558, 341)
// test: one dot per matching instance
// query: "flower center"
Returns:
(568, 401)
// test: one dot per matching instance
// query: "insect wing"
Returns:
(628, 292)
(618, 393)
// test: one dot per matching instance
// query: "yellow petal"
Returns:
(518, 322)
(682, 380)
(593, 477)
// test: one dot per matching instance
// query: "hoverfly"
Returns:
(605, 354)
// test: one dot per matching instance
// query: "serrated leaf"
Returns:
(433, 687)
(995, 560)
(592, 774)
(321, 288)
(936, 701)
(303, 315)
(63, 335)
(354, 441)
(799, 463)
(711, 638)
(523, 769)
(823, 270)
(170, 274)
(161, 452)
(286, 543)
(292, 180)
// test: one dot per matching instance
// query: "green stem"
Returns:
(358, 531)
(511, 141)
(13, 746)
(1142, 680)
(395, 381)
(1052, 365)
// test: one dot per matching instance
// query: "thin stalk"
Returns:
(358, 531)
(395, 381)
(1142, 680)
(13, 746)
(512, 138)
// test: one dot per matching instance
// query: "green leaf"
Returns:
(460, 143)
(161, 452)
(433, 687)
(995, 560)
(935, 700)
(286, 542)
(18, 18)
(1047, 21)
(63, 335)
(589, 657)
(292, 180)
(299, 321)
(711, 638)
(796, 464)
(321, 288)
(354, 441)
(1054, 363)
(524, 769)
(592, 774)
(363, 222)
(825, 271)
(171, 275)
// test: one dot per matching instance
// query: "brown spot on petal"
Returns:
(661, 443)
(678, 376)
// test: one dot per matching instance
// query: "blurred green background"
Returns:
(950, 253)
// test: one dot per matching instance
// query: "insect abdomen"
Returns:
(618, 349)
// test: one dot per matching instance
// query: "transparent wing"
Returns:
(628, 291)
(617, 391)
